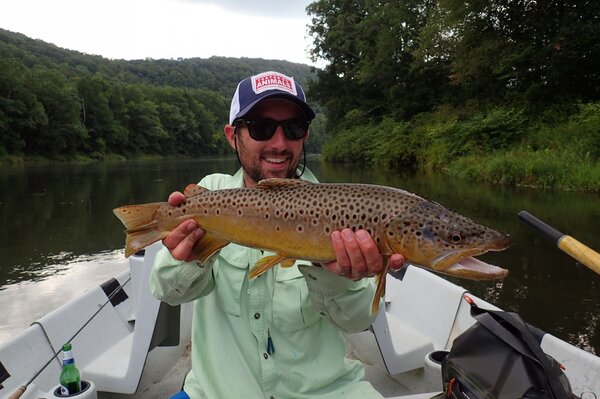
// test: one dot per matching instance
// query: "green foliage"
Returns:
(501, 146)
(484, 132)
(58, 103)
(546, 169)
(507, 91)
(386, 143)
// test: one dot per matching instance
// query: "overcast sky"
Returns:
(137, 29)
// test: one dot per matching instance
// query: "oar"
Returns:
(566, 243)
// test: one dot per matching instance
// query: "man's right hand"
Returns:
(182, 240)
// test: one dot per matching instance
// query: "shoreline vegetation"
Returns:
(501, 145)
(547, 153)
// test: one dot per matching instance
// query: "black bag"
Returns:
(499, 357)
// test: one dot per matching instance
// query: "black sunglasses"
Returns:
(264, 128)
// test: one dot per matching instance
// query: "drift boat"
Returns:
(127, 344)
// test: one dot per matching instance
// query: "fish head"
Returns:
(436, 238)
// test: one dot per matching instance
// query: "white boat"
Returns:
(127, 344)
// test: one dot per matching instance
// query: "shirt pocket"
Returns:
(230, 274)
(292, 308)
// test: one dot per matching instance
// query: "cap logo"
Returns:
(273, 81)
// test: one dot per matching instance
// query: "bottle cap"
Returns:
(67, 347)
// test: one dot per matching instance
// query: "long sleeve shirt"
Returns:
(276, 336)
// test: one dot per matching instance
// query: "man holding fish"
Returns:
(275, 263)
(277, 335)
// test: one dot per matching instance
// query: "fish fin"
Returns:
(265, 264)
(192, 190)
(208, 245)
(280, 182)
(380, 291)
(288, 262)
(142, 229)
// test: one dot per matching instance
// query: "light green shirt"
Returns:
(302, 308)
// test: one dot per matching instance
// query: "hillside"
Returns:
(60, 103)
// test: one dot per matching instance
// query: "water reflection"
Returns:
(60, 283)
(53, 216)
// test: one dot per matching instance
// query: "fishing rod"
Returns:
(582, 253)
(21, 390)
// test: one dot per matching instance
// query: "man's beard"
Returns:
(252, 167)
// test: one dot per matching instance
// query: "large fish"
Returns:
(294, 219)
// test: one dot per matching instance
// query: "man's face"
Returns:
(276, 157)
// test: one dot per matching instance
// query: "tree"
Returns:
(21, 113)
(528, 51)
(369, 48)
(63, 133)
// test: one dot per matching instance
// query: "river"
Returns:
(58, 235)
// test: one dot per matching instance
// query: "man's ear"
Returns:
(230, 134)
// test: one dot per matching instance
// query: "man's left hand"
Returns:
(357, 255)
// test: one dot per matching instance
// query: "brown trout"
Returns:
(294, 219)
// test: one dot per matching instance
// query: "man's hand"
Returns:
(182, 240)
(357, 255)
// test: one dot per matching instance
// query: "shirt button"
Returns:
(257, 316)
(265, 356)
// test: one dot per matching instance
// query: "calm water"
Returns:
(58, 236)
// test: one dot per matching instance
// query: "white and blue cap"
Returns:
(254, 89)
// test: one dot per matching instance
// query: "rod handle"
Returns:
(18, 393)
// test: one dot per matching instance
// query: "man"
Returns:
(276, 336)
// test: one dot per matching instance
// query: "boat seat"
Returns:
(417, 319)
(119, 368)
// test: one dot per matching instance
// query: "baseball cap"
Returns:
(252, 90)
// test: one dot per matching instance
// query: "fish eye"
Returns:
(455, 237)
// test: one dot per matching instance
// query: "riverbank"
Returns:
(14, 160)
(500, 145)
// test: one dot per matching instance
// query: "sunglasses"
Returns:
(264, 128)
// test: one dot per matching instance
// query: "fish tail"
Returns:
(380, 291)
(141, 227)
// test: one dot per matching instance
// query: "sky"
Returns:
(138, 29)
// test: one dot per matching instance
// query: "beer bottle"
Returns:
(70, 379)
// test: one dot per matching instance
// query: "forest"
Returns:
(501, 90)
(61, 104)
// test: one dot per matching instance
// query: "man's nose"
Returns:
(278, 140)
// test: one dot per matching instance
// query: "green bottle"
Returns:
(70, 379)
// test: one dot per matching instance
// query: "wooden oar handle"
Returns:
(581, 252)
(585, 255)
